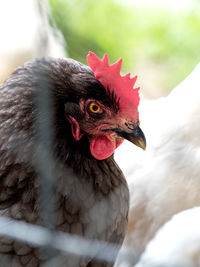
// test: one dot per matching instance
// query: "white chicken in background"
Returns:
(165, 179)
(25, 33)
(176, 244)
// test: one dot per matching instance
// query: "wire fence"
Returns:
(39, 236)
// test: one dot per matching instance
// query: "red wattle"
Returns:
(102, 147)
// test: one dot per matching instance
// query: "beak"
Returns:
(135, 136)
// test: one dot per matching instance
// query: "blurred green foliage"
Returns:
(144, 37)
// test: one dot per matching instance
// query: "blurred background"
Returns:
(159, 40)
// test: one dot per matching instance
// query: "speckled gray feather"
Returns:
(91, 196)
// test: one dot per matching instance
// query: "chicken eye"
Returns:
(95, 108)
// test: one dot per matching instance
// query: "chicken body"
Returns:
(91, 196)
(165, 180)
(178, 242)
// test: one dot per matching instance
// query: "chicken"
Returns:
(176, 244)
(93, 110)
(165, 180)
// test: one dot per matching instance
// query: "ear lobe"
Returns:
(75, 128)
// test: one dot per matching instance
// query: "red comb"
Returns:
(109, 76)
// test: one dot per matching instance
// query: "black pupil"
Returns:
(95, 107)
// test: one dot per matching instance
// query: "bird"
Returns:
(93, 109)
(165, 179)
(177, 243)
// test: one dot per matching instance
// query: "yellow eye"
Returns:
(95, 108)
